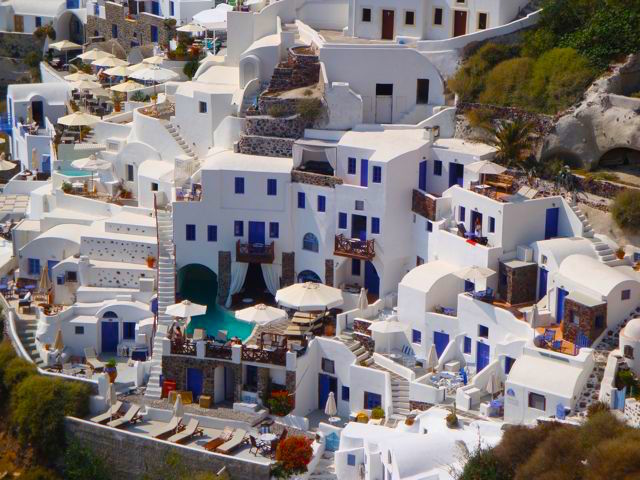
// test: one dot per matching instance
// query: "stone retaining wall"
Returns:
(133, 456)
(224, 276)
(283, 127)
(289, 105)
(542, 124)
(266, 146)
(17, 45)
(302, 69)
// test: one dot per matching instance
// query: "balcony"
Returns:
(423, 204)
(214, 350)
(318, 179)
(183, 347)
(354, 248)
(254, 252)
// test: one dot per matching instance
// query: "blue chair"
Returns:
(549, 335)
(557, 345)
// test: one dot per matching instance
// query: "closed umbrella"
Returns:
(309, 297)
(58, 344)
(493, 386)
(261, 314)
(109, 62)
(432, 358)
(34, 159)
(330, 409)
(178, 407)
(44, 284)
(363, 302)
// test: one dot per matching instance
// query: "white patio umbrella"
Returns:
(44, 284)
(186, 309)
(137, 66)
(154, 60)
(309, 297)
(213, 18)
(191, 28)
(75, 77)
(178, 407)
(485, 167)
(85, 85)
(58, 344)
(261, 314)
(120, 71)
(493, 385)
(109, 62)
(432, 358)
(363, 302)
(388, 328)
(65, 46)
(128, 86)
(330, 409)
(154, 74)
(5, 165)
(78, 119)
(474, 273)
(94, 54)
(34, 159)
(91, 163)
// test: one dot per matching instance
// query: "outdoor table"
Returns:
(267, 437)
(77, 186)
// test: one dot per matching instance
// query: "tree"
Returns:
(511, 139)
(292, 456)
(190, 68)
(16, 371)
(80, 463)
(39, 473)
(626, 209)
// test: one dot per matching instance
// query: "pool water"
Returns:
(72, 172)
(198, 290)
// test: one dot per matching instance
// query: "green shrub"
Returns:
(452, 420)
(597, 407)
(506, 83)
(80, 463)
(635, 95)
(483, 465)
(626, 209)
(377, 413)
(537, 41)
(33, 59)
(16, 371)
(278, 110)
(626, 379)
(190, 68)
(309, 109)
(39, 473)
(7, 354)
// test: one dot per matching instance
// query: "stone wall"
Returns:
(542, 124)
(266, 146)
(422, 406)
(423, 205)
(587, 320)
(288, 269)
(129, 30)
(328, 272)
(302, 69)
(284, 127)
(133, 456)
(129, 251)
(521, 283)
(290, 380)
(17, 45)
(363, 334)
(224, 276)
(289, 106)
(317, 179)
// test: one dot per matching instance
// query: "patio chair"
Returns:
(92, 359)
(549, 335)
(165, 431)
(256, 446)
(556, 345)
(236, 440)
(199, 334)
(221, 336)
(132, 416)
(192, 429)
(111, 414)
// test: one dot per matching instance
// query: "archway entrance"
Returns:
(620, 157)
(70, 27)
(198, 284)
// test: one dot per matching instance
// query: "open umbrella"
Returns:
(485, 167)
(65, 46)
(85, 85)
(154, 60)
(330, 409)
(78, 119)
(58, 344)
(91, 163)
(261, 314)
(128, 86)
(309, 297)
(214, 18)
(191, 28)
(94, 54)
(178, 407)
(432, 358)
(109, 62)
(137, 66)
(75, 77)
(388, 328)
(120, 71)
(154, 74)
(363, 302)
(186, 309)
(5, 165)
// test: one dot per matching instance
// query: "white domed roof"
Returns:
(632, 330)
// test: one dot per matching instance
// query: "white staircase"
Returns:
(175, 133)
(166, 297)
(418, 113)
(363, 357)
(325, 470)
(400, 395)
(604, 252)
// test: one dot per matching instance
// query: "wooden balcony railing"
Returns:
(213, 350)
(254, 252)
(423, 204)
(276, 356)
(183, 347)
(354, 248)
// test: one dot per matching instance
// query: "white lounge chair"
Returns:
(192, 429)
(92, 359)
(109, 415)
(164, 431)
(132, 416)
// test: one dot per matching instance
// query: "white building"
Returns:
(66, 16)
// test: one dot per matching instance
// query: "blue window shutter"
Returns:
(364, 172)
(467, 345)
(377, 174)
(492, 224)
(351, 166)
(437, 167)
(172, 9)
(212, 233)
(342, 220)
(239, 185)
(422, 176)
(301, 200)
(355, 267)
(416, 336)
(429, 226)
(322, 203)
(375, 225)
(345, 393)
(463, 212)
(190, 232)
(351, 459)
(272, 186)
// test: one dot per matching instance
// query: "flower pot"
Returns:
(620, 254)
(151, 262)
(112, 372)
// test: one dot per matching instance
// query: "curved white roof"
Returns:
(156, 170)
(632, 329)
(64, 232)
(55, 93)
(41, 8)
(600, 277)
(425, 276)
(561, 248)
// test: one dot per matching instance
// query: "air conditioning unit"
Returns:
(524, 253)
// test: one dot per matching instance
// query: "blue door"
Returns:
(441, 340)
(456, 174)
(551, 223)
(109, 336)
(364, 172)
(256, 232)
(371, 278)
(45, 164)
(50, 265)
(542, 288)
(482, 356)
(562, 294)
(326, 384)
(194, 382)
(422, 176)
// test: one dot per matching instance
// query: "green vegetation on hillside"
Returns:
(549, 70)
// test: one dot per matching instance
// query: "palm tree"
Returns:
(511, 139)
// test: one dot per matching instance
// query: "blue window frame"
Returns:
(492, 224)
(34, 266)
(416, 336)
(212, 233)
(155, 8)
(79, 330)
(322, 203)
(128, 330)
(342, 220)
(625, 295)
(190, 232)
(239, 185)
(71, 4)
(351, 459)
(422, 176)
(38, 22)
(310, 242)
(172, 9)
(301, 200)
(355, 267)
(154, 33)
(467, 345)
(238, 228)
(429, 226)
(272, 186)
(437, 167)
(345, 393)
(372, 400)
(483, 332)
(376, 174)
(274, 230)
(469, 286)
(462, 215)
(375, 225)
(114, 31)
(351, 166)
(96, 9)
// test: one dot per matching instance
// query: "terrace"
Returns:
(255, 252)
(354, 248)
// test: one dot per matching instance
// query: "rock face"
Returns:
(606, 123)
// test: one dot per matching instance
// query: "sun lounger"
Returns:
(165, 431)
(236, 440)
(192, 430)
(130, 417)
(109, 415)
(92, 359)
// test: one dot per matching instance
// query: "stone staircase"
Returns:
(604, 252)
(27, 336)
(326, 469)
(175, 133)
(399, 393)
(166, 297)
(362, 354)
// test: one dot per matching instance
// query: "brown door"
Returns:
(18, 23)
(459, 23)
(388, 19)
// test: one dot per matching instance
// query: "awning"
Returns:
(330, 150)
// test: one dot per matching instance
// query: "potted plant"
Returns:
(111, 370)
(452, 420)
(620, 253)
(280, 403)
(377, 413)
(66, 187)
(151, 261)
(362, 417)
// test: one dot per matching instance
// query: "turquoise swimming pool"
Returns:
(72, 172)
(200, 287)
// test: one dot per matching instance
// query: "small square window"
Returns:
(437, 16)
(238, 228)
(359, 205)
(351, 459)
(462, 214)
(366, 14)
(202, 107)
(239, 185)
(274, 230)
(416, 336)
(71, 277)
(190, 232)
(342, 220)
(376, 174)
(625, 295)
(482, 21)
(114, 31)
(345, 393)
(409, 17)
(322, 203)
(328, 366)
(212, 233)
(301, 200)
(154, 187)
(437, 168)
(38, 22)
(351, 166)
(79, 330)
(130, 173)
(537, 401)
(375, 225)
(272, 186)
(128, 330)
(483, 332)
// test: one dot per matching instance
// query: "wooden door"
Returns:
(459, 23)
(18, 23)
(388, 20)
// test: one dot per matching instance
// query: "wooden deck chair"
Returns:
(111, 414)
(132, 416)
(192, 429)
